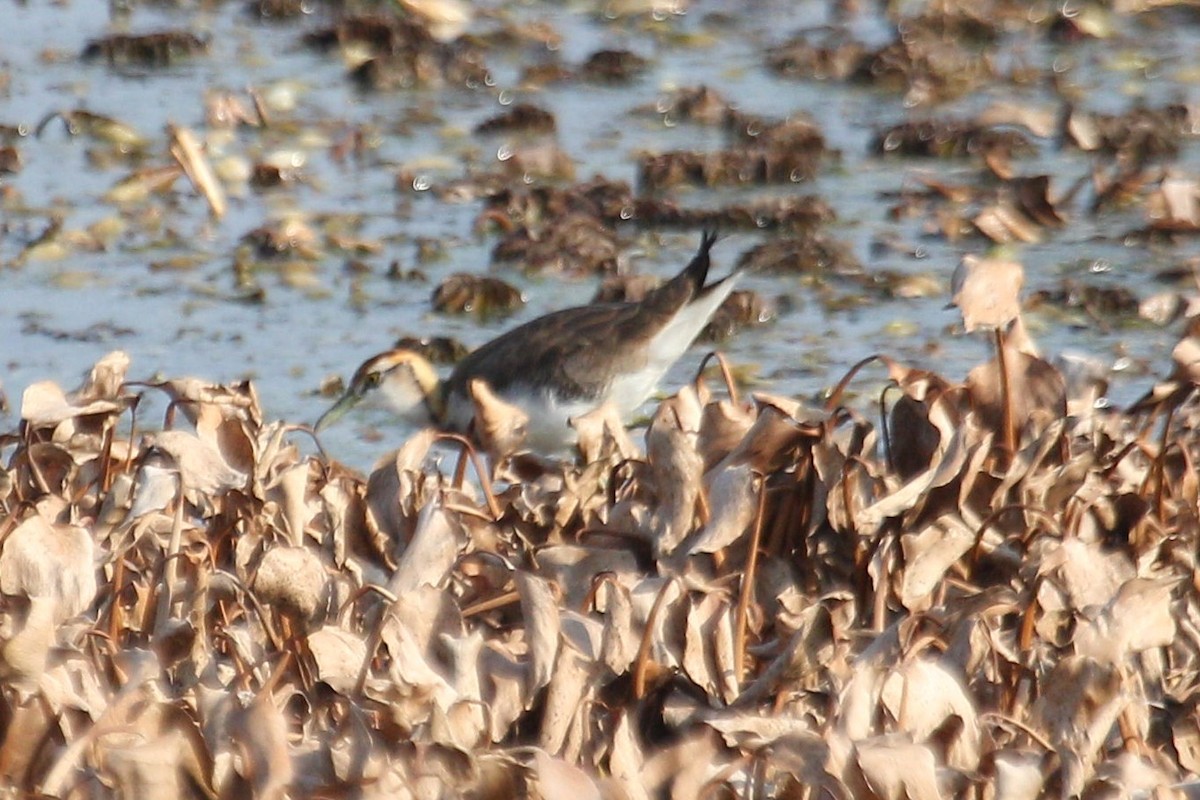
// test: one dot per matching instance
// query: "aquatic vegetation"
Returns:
(991, 586)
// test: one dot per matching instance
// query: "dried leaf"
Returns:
(986, 292)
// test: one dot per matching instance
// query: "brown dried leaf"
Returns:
(1140, 617)
(677, 468)
(732, 498)
(924, 695)
(431, 553)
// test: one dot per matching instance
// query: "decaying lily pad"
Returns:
(789, 562)
(150, 49)
(576, 243)
(483, 296)
(613, 66)
(521, 117)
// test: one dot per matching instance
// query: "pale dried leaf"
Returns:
(986, 292)
(339, 654)
(543, 628)
(1018, 775)
(430, 554)
(556, 779)
(1140, 617)
(922, 696)
(106, 378)
(732, 498)
(44, 404)
(898, 770)
(201, 465)
(41, 559)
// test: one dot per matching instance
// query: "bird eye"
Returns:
(373, 379)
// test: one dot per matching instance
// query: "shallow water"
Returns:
(59, 316)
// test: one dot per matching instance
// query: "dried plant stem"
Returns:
(170, 567)
(110, 433)
(835, 396)
(726, 374)
(492, 603)
(598, 581)
(1008, 428)
(641, 663)
(740, 616)
(1013, 722)
(360, 593)
(115, 614)
(485, 482)
(1158, 469)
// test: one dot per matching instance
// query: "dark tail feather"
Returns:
(687, 285)
(697, 270)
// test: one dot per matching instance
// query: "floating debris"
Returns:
(159, 49)
(482, 296)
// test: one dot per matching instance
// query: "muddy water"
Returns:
(164, 288)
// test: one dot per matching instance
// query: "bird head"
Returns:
(400, 381)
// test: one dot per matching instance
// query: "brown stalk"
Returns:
(1131, 740)
(835, 397)
(642, 663)
(492, 603)
(372, 646)
(726, 374)
(847, 498)
(992, 518)
(1008, 429)
(1013, 722)
(1158, 469)
(885, 434)
(739, 620)
(312, 435)
(133, 409)
(485, 482)
(115, 611)
(264, 617)
(1028, 622)
(360, 593)
(598, 580)
(170, 567)
(879, 603)
(260, 108)
(110, 433)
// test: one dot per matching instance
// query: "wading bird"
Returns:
(554, 368)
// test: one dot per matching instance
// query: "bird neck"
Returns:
(435, 403)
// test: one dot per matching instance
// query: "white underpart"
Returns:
(630, 390)
(549, 427)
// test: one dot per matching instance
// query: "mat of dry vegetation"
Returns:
(990, 593)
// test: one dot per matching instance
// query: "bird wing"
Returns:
(579, 351)
(575, 350)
